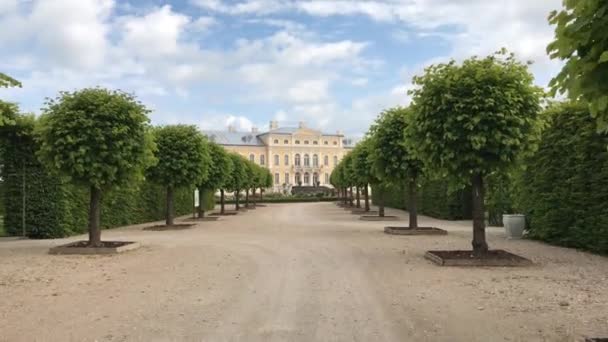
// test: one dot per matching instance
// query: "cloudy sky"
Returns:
(332, 63)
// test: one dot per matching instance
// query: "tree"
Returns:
(183, 160)
(472, 119)
(251, 180)
(363, 165)
(580, 40)
(8, 111)
(97, 138)
(7, 82)
(219, 170)
(228, 171)
(238, 177)
(393, 159)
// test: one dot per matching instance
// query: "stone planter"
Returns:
(514, 225)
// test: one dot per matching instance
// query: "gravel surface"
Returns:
(298, 272)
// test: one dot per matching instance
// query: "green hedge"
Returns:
(55, 208)
(434, 199)
(287, 200)
(564, 189)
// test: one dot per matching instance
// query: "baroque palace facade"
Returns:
(294, 155)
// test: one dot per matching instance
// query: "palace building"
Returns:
(294, 155)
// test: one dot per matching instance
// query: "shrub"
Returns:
(565, 186)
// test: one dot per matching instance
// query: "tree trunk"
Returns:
(343, 191)
(480, 246)
(380, 201)
(236, 198)
(358, 197)
(366, 193)
(412, 204)
(201, 209)
(94, 214)
(261, 194)
(352, 199)
(169, 209)
(246, 198)
(222, 209)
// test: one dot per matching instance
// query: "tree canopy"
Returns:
(95, 136)
(580, 40)
(6, 81)
(389, 150)
(473, 117)
(182, 154)
(219, 168)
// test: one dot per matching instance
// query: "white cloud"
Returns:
(156, 34)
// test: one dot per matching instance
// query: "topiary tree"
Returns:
(98, 138)
(473, 119)
(362, 164)
(219, 170)
(392, 156)
(251, 180)
(238, 179)
(580, 40)
(183, 160)
(228, 171)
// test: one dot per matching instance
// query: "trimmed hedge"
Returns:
(564, 190)
(56, 208)
(288, 200)
(434, 199)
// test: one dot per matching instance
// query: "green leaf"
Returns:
(604, 57)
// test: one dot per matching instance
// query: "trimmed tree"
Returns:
(219, 170)
(393, 159)
(229, 169)
(98, 138)
(363, 166)
(238, 177)
(183, 160)
(580, 40)
(473, 119)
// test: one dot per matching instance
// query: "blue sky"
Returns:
(332, 63)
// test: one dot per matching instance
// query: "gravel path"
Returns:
(298, 272)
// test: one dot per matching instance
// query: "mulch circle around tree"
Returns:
(378, 218)
(496, 257)
(361, 212)
(415, 231)
(163, 227)
(228, 213)
(106, 247)
(203, 219)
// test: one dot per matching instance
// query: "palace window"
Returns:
(326, 160)
(276, 141)
(327, 178)
(297, 160)
(315, 160)
(262, 159)
(306, 178)
(286, 160)
(326, 142)
(252, 158)
(306, 142)
(276, 178)
(315, 142)
(298, 179)
(276, 160)
(315, 179)
(286, 142)
(335, 160)
(287, 178)
(335, 143)
(297, 142)
(306, 160)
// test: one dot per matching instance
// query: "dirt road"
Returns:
(297, 272)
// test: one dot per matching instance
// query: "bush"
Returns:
(434, 199)
(565, 186)
(57, 208)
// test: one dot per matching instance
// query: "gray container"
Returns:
(514, 225)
